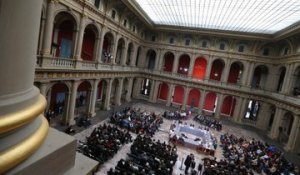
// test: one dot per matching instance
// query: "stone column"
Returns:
(107, 95)
(47, 42)
(237, 108)
(134, 55)
(43, 89)
(272, 79)
(72, 103)
(157, 60)
(293, 135)
(191, 67)
(129, 90)
(153, 82)
(124, 56)
(21, 105)
(185, 97)
(94, 97)
(242, 110)
(153, 96)
(119, 92)
(263, 116)
(219, 105)
(244, 76)
(201, 101)
(275, 126)
(226, 70)
(79, 37)
(169, 98)
(161, 61)
(286, 88)
(208, 68)
(250, 74)
(137, 88)
(176, 62)
(143, 57)
(96, 50)
(102, 33)
(114, 49)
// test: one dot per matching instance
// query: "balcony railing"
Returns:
(64, 63)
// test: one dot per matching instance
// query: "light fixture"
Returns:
(216, 74)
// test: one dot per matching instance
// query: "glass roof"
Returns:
(254, 16)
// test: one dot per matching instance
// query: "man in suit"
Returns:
(188, 162)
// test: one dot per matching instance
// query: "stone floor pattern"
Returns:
(163, 135)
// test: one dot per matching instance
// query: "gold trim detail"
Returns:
(18, 153)
(19, 118)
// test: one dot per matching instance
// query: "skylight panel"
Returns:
(255, 16)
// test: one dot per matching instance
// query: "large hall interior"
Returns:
(150, 87)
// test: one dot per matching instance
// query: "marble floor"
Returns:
(162, 135)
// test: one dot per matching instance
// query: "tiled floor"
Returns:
(162, 135)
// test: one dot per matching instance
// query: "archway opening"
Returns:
(168, 62)
(108, 41)
(63, 35)
(200, 68)
(184, 64)
(164, 90)
(228, 106)
(88, 43)
(210, 102)
(194, 98)
(216, 70)
(235, 73)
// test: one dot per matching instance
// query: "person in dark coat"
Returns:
(188, 162)
(200, 168)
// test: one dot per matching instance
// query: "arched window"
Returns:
(241, 48)
(187, 42)
(285, 51)
(204, 44)
(97, 3)
(222, 46)
(171, 41)
(153, 38)
(133, 28)
(125, 23)
(266, 52)
(113, 14)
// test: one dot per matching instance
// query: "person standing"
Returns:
(200, 168)
(188, 162)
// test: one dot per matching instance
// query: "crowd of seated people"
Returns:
(177, 115)
(136, 121)
(209, 122)
(104, 142)
(253, 154)
(147, 157)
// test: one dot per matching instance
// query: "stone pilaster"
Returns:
(185, 97)
(72, 103)
(129, 90)
(275, 126)
(118, 95)
(79, 40)
(293, 135)
(201, 101)
(47, 39)
(170, 93)
(94, 97)
(107, 95)
(220, 98)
